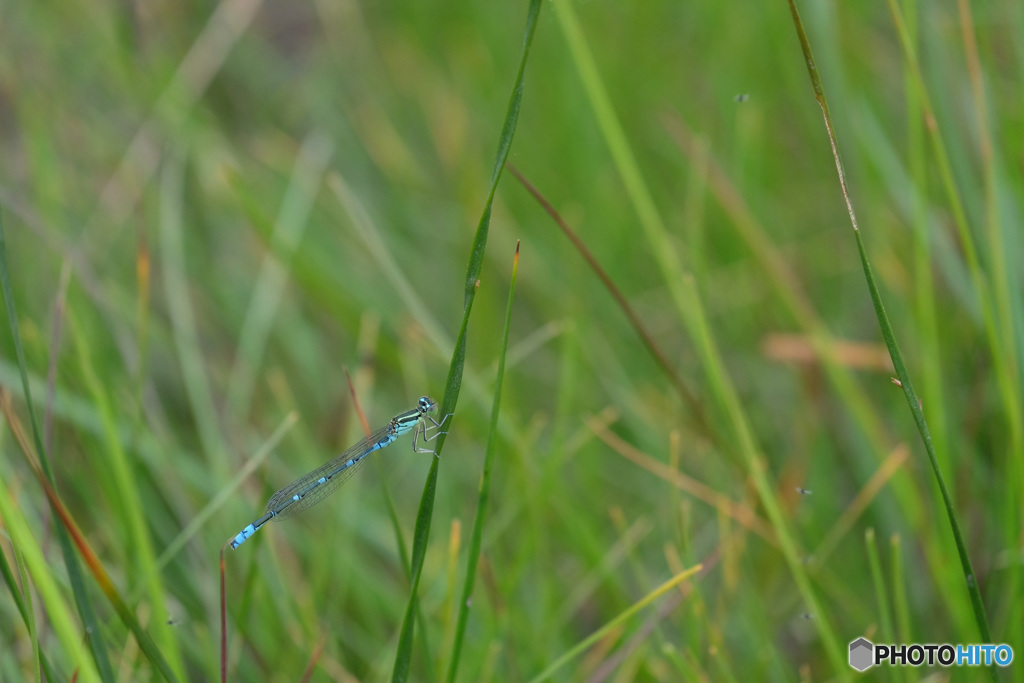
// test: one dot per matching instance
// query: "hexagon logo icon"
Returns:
(861, 651)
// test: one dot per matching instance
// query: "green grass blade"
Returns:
(580, 647)
(113, 460)
(485, 486)
(421, 534)
(925, 296)
(58, 616)
(904, 629)
(990, 281)
(403, 557)
(890, 339)
(687, 299)
(998, 316)
(12, 586)
(384, 256)
(268, 289)
(92, 561)
(24, 605)
(878, 581)
(453, 385)
(186, 335)
(685, 392)
(217, 502)
(85, 609)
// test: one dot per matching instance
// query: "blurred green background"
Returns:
(212, 211)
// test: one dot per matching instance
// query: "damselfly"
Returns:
(311, 488)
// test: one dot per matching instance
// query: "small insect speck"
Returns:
(742, 97)
(803, 492)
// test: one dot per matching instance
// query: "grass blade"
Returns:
(85, 609)
(884, 608)
(269, 287)
(685, 392)
(453, 385)
(890, 339)
(687, 299)
(113, 459)
(389, 503)
(485, 485)
(579, 648)
(208, 511)
(92, 561)
(59, 617)
(24, 606)
(183, 321)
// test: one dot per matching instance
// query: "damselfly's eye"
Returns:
(425, 403)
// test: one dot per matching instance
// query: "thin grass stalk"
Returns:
(37, 570)
(998, 248)
(932, 390)
(881, 594)
(389, 503)
(116, 464)
(904, 630)
(600, 633)
(447, 623)
(890, 339)
(74, 570)
(685, 392)
(182, 317)
(485, 485)
(998, 330)
(997, 245)
(268, 289)
(24, 605)
(686, 297)
(90, 558)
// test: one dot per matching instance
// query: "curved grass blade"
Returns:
(85, 609)
(389, 503)
(113, 458)
(453, 385)
(685, 392)
(292, 220)
(24, 606)
(579, 648)
(684, 293)
(485, 485)
(60, 618)
(99, 573)
(890, 339)
(878, 582)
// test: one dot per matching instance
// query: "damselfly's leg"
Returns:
(421, 430)
(436, 425)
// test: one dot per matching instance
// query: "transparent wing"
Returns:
(335, 472)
